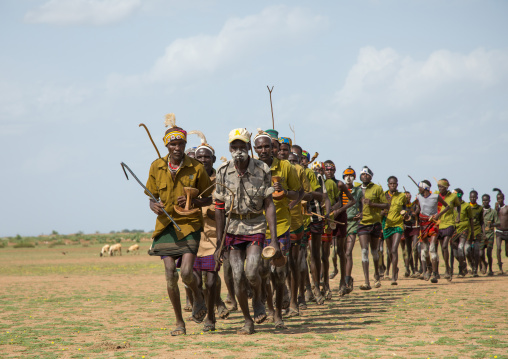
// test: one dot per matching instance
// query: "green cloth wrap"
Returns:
(390, 231)
(167, 244)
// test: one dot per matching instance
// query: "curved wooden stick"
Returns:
(153, 143)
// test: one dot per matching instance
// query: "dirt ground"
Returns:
(78, 305)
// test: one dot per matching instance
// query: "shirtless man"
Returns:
(502, 230)
(253, 209)
(369, 229)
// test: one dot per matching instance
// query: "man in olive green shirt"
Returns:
(167, 179)
(478, 234)
(394, 226)
(369, 230)
(446, 226)
(289, 185)
(464, 230)
(491, 221)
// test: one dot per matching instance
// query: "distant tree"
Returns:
(55, 233)
(112, 232)
(18, 237)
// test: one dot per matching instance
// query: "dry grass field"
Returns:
(78, 305)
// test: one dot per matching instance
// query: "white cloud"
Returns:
(385, 76)
(240, 39)
(82, 12)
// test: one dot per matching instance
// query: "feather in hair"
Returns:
(170, 120)
(200, 134)
(497, 190)
(223, 159)
(314, 157)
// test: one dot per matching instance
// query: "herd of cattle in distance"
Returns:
(116, 249)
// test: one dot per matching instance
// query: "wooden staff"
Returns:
(294, 134)
(416, 184)
(271, 106)
(318, 215)
(153, 143)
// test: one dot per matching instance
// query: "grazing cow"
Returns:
(133, 249)
(105, 250)
(115, 249)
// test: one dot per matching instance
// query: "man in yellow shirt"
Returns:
(297, 227)
(369, 230)
(464, 230)
(446, 226)
(288, 187)
(167, 179)
(314, 224)
(394, 226)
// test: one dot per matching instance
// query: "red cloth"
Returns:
(427, 228)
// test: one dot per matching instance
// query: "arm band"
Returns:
(219, 205)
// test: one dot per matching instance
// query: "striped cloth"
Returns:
(284, 242)
(236, 239)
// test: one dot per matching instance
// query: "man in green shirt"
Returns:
(478, 233)
(354, 214)
(490, 221)
(337, 190)
(369, 229)
(446, 226)
(464, 228)
(394, 226)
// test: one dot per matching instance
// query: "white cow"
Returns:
(105, 250)
(115, 249)
(133, 249)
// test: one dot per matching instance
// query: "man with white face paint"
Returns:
(354, 215)
(369, 229)
(250, 180)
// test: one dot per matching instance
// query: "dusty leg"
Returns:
(294, 278)
(325, 260)
(211, 289)
(375, 259)
(315, 264)
(174, 293)
(364, 243)
(499, 242)
(395, 256)
(334, 258)
(278, 277)
(445, 251)
(434, 257)
(236, 259)
(230, 283)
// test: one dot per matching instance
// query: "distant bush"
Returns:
(56, 243)
(3, 244)
(24, 244)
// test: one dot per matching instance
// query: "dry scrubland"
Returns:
(79, 305)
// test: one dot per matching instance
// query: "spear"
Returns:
(294, 134)
(124, 166)
(271, 106)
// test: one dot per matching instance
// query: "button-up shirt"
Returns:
(208, 242)
(296, 211)
(162, 185)
(250, 189)
(394, 218)
(290, 182)
(448, 219)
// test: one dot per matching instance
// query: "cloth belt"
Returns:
(246, 216)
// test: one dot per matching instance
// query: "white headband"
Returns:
(206, 147)
(423, 185)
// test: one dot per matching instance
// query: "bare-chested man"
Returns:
(250, 180)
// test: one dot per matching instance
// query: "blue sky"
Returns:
(406, 87)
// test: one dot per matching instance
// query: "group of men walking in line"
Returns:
(230, 216)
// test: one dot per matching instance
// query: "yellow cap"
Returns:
(239, 134)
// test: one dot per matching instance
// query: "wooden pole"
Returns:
(271, 106)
